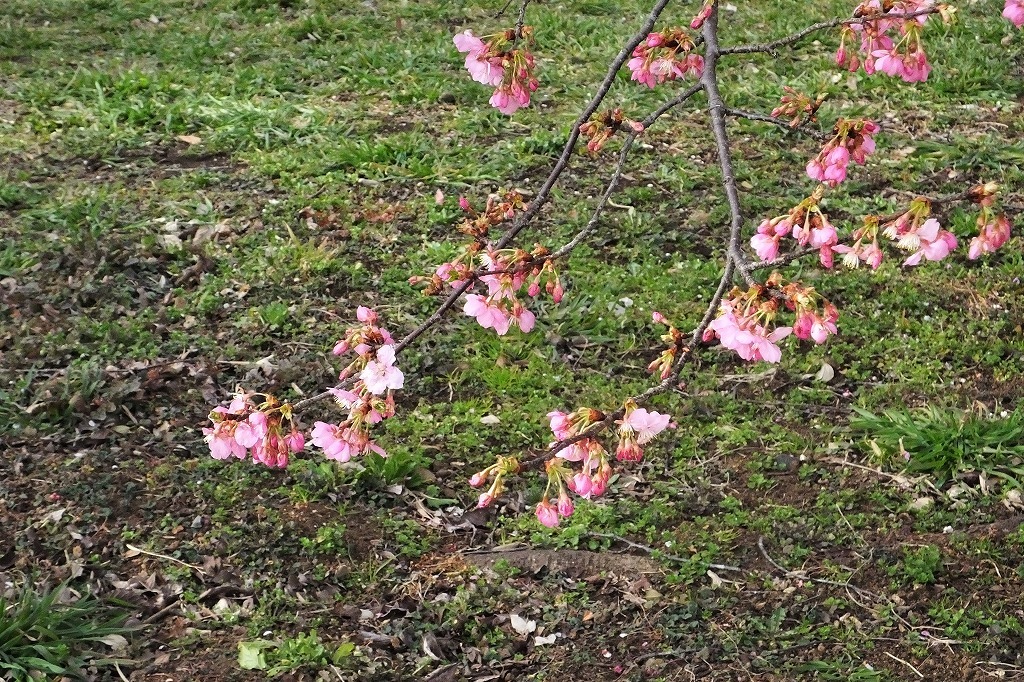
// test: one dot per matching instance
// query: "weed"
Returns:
(946, 442)
(43, 633)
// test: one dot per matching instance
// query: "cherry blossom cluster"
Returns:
(600, 128)
(914, 230)
(501, 63)
(371, 399)
(917, 231)
(508, 274)
(795, 105)
(636, 428)
(746, 319)
(865, 248)
(993, 228)
(889, 43)
(265, 428)
(850, 140)
(815, 316)
(665, 56)
(806, 223)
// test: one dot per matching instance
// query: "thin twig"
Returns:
(133, 548)
(619, 168)
(652, 550)
(781, 122)
(900, 660)
(771, 46)
(801, 575)
(563, 161)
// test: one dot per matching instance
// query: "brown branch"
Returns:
(771, 46)
(563, 161)
(782, 123)
(717, 110)
(613, 184)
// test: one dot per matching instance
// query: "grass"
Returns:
(50, 634)
(159, 161)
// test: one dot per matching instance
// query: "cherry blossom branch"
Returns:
(771, 46)
(457, 293)
(563, 161)
(434, 318)
(613, 184)
(782, 123)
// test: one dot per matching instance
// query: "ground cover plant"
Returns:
(200, 196)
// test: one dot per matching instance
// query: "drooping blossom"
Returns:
(482, 66)
(851, 140)
(665, 56)
(341, 442)
(263, 428)
(810, 324)
(807, 224)
(638, 427)
(742, 333)
(489, 315)
(547, 513)
(888, 43)
(501, 63)
(991, 235)
(929, 241)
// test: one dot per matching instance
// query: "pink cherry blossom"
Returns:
(560, 424)
(221, 440)
(381, 375)
(990, 237)
(482, 67)
(488, 315)
(565, 505)
(646, 424)
(1014, 11)
(547, 513)
(663, 57)
(750, 340)
(582, 485)
(930, 241)
(331, 440)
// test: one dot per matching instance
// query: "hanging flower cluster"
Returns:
(865, 247)
(676, 347)
(796, 105)
(636, 428)
(850, 140)
(807, 224)
(889, 43)
(501, 63)
(915, 231)
(993, 227)
(371, 399)
(600, 128)
(508, 274)
(746, 321)
(256, 423)
(664, 57)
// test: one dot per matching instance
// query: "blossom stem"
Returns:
(771, 46)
